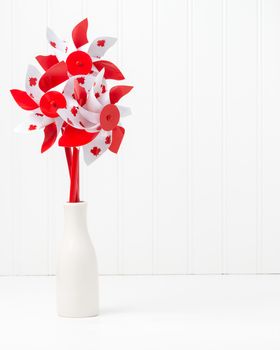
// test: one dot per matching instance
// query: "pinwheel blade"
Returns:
(55, 42)
(50, 135)
(100, 46)
(47, 62)
(35, 121)
(124, 111)
(24, 100)
(54, 76)
(72, 137)
(117, 137)
(97, 147)
(79, 33)
(111, 71)
(117, 92)
(32, 83)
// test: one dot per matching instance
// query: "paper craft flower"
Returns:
(72, 97)
(92, 122)
(42, 102)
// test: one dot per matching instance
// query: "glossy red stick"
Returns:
(68, 154)
(78, 182)
(74, 176)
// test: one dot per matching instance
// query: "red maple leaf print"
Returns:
(32, 81)
(69, 121)
(103, 89)
(95, 151)
(97, 94)
(73, 95)
(81, 80)
(39, 114)
(108, 140)
(32, 127)
(53, 44)
(74, 110)
(101, 43)
(31, 95)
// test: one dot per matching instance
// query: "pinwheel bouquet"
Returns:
(71, 100)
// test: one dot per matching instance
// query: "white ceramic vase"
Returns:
(76, 276)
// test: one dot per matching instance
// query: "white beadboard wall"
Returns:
(195, 188)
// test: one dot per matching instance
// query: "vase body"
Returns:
(76, 276)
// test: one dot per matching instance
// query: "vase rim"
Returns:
(75, 204)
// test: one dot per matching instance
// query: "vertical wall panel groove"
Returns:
(49, 196)
(119, 161)
(15, 164)
(135, 156)
(190, 138)
(7, 236)
(155, 137)
(224, 136)
(242, 125)
(259, 170)
(207, 124)
(13, 196)
(270, 240)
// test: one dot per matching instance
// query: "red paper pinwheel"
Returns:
(73, 97)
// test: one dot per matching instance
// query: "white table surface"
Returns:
(146, 313)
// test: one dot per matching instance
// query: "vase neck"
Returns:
(75, 218)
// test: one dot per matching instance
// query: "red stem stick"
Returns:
(78, 182)
(68, 154)
(74, 175)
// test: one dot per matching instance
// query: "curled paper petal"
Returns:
(50, 135)
(117, 137)
(54, 76)
(92, 117)
(75, 91)
(117, 92)
(72, 116)
(35, 121)
(56, 42)
(23, 100)
(124, 111)
(97, 147)
(92, 104)
(89, 83)
(73, 137)
(100, 45)
(85, 81)
(104, 98)
(100, 88)
(47, 62)
(111, 71)
(99, 80)
(31, 83)
(80, 93)
(79, 33)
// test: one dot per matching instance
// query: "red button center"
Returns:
(109, 117)
(79, 62)
(50, 102)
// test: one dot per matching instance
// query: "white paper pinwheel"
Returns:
(95, 112)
